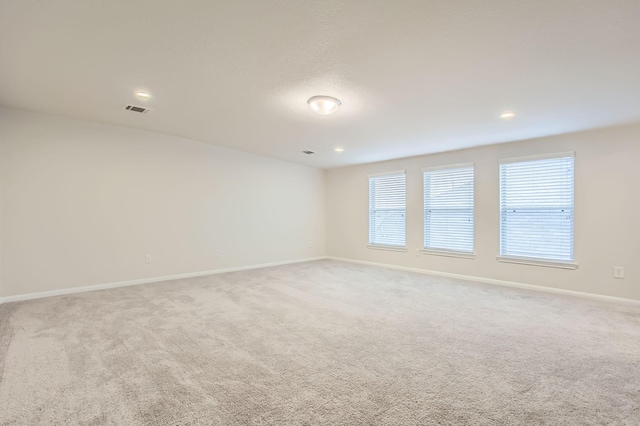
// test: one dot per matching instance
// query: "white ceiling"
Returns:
(414, 77)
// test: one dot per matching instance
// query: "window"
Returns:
(448, 209)
(387, 210)
(536, 208)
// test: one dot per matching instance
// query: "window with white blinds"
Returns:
(536, 208)
(387, 209)
(448, 208)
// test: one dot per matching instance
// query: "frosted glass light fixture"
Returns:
(323, 105)
(143, 95)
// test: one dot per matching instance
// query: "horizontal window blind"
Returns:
(387, 210)
(448, 209)
(536, 209)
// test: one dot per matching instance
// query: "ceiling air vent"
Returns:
(134, 108)
(306, 151)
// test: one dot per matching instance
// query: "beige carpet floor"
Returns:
(319, 343)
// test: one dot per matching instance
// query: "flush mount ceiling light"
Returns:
(142, 94)
(507, 115)
(323, 105)
(339, 149)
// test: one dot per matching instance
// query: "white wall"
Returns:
(82, 203)
(3, 155)
(607, 213)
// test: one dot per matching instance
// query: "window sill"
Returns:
(388, 248)
(538, 262)
(447, 253)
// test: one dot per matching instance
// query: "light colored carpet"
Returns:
(319, 343)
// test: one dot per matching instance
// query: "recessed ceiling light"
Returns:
(323, 105)
(507, 115)
(339, 149)
(143, 95)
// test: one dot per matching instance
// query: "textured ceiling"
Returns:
(414, 77)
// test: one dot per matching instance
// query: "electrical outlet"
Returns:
(417, 252)
(216, 253)
(147, 258)
(618, 272)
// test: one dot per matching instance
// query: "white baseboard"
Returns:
(73, 290)
(495, 282)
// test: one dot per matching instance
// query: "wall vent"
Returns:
(134, 108)
(306, 151)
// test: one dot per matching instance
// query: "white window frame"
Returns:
(377, 246)
(534, 261)
(442, 251)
